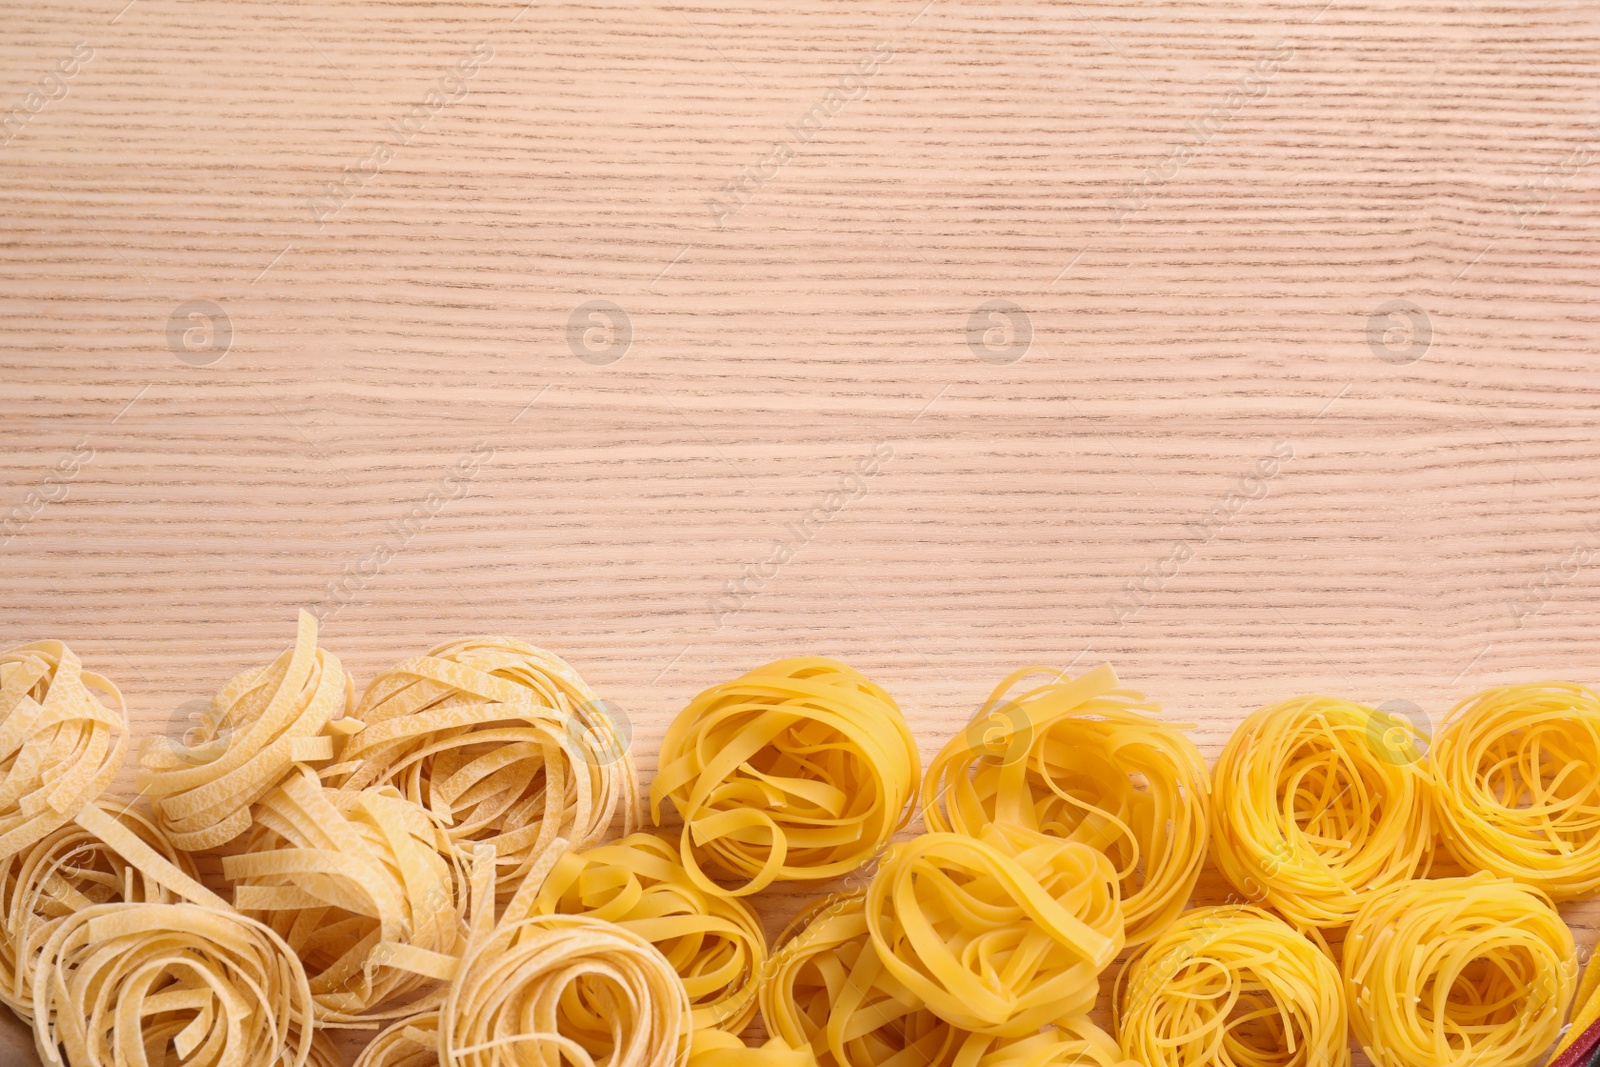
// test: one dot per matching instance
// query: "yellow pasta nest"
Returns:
(546, 988)
(1082, 759)
(715, 943)
(259, 725)
(999, 935)
(800, 769)
(60, 745)
(180, 983)
(827, 988)
(66, 872)
(1232, 986)
(365, 887)
(412, 1042)
(501, 740)
(719, 1048)
(1310, 816)
(1454, 972)
(1518, 768)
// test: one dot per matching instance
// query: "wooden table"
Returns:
(582, 323)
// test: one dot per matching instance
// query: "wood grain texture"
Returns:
(1198, 209)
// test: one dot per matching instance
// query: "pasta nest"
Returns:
(68, 871)
(1518, 771)
(412, 1042)
(503, 742)
(1310, 816)
(365, 887)
(257, 728)
(60, 743)
(122, 984)
(797, 770)
(1084, 760)
(1232, 986)
(1456, 971)
(714, 943)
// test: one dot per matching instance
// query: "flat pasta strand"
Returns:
(1518, 772)
(412, 1042)
(365, 887)
(1311, 814)
(714, 942)
(797, 770)
(169, 985)
(1084, 760)
(501, 740)
(258, 727)
(1231, 986)
(67, 871)
(1453, 972)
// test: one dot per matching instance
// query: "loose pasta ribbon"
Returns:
(715, 943)
(1311, 817)
(1452, 972)
(1084, 760)
(797, 770)
(501, 740)
(1518, 771)
(1231, 986)
(258, 727)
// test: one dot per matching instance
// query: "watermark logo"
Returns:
(599, 332)
(1398, 732)
(1004, 734)
(999, 332)
(199, 332)
(1399, 332)
(598, 734)
(52, 86)
(195, 734)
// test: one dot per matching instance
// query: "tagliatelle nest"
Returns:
(365, 887)
(715, 943)
(543, 989)
(68, 871)
(1083, 759)
(121, 984)
(502, 741)
(412, 1042)
(797, 770)
(60, 745)
(260, 724)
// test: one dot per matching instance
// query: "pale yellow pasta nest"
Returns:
(502, 741)
(544, 989)
(1083, 759)
(412, 1042)
(1310, 816)
(366, 888)
(798, 770)
(1458, 972)
(1232, 986)
(259, 726)
(60, 744)
(198, 986)
(714, 942)
(68, 871)
(1518, 770)
(826, 988)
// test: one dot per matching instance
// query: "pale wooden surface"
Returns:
(1393, 153)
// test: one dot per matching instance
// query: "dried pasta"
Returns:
(501, 740)
(122, 985)
(1083, 759)
(1231, 986)
(546, 988)
(1453, 972)
(715, 943)
(1518, 770)
(997, 935)
(797, 770)
(68, 871)
(258, 727)
(366, 888)
(1310, 817)
(412, 1042)
(719, 1048)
